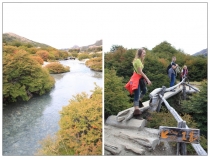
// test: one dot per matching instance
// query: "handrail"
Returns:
(158, 94)
(198, 148)
(158, 90)
(172, 110)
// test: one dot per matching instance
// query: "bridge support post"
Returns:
(160, 100)
(181, 147)
(184, 91)
(187, 80)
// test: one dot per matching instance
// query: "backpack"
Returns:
(169, 66)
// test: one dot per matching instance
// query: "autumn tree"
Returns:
(53, 55)
(38, 59)
(56, 67)
(83, 56)
(93, 55)
(7, 49)
(94, 63)
(63, 54)
(80, 127)
(76, 50)
(32, 50)
(23, 77)
(43, 54)
(73, 54)
(197, 67)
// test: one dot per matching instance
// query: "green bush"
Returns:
(166, 119)
(196, 106)
(115, 96)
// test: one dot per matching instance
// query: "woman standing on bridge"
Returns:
(133, 86)
(183, 73)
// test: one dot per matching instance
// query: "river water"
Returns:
(26, 123)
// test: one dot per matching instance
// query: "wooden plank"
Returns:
(179, 134)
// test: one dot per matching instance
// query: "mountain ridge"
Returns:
(98, 43)
(203, 52)
(12, 38)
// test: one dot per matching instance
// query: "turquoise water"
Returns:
(26, 123)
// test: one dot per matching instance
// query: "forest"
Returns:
(118, 70)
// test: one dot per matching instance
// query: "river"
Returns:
(26, 123)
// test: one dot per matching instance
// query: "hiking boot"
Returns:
(136, 112)
(140, 104)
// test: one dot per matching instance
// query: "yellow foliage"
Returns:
(43, 54)
(163, 62)
(56, 67)
(95, 63)
(80, 127)
(38, 59)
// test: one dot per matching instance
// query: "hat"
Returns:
(173, 64)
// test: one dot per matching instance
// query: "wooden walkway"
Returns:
(125, 135)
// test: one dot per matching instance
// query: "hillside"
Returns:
(84, 48)
(13, 39)
(203, 52)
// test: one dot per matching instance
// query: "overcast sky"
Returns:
(132, 25)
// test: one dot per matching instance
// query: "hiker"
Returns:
(133, 86)
(174, 61)
(183, 73)
(171, 75)
(169, 66)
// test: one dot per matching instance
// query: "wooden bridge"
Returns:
(124, 123)
(71, 58)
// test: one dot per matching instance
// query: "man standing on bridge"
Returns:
(172, 75)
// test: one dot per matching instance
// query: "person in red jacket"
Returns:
(133, 86)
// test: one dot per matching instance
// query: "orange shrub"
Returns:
(163, 62)
(56, 67)
(39, 59)
(95, 63)
(43, 54)
(80, 128)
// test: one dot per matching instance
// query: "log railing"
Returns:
(156, 99)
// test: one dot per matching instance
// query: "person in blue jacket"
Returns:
(172, 75)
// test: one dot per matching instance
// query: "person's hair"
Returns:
(173, 57)
(139, 53)
(184, 66)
